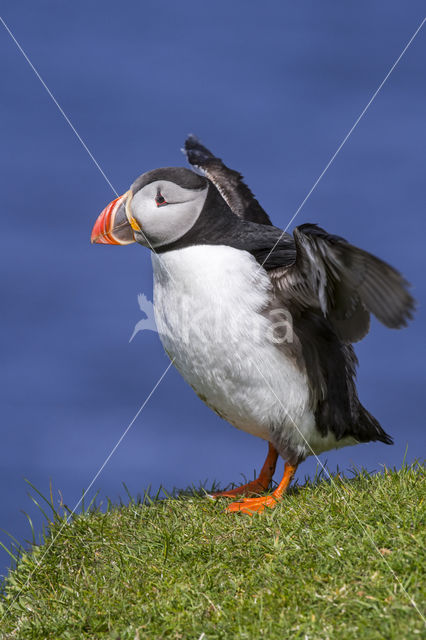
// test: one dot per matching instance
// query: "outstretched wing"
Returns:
(343, 282)
(331, 288)
(229, 182)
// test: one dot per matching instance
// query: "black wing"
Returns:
(331, 288)
(344, 283)
(229, 182)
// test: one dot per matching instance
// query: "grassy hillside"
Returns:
(341, 560)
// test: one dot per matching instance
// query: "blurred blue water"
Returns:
(273, 90)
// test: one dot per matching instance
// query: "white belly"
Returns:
(208, 302)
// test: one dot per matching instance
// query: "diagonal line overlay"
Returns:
(64, 115)
(95, 477)
(346, 138)
(68, 121)
(363, 526)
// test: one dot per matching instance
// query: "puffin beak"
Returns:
(115, 224)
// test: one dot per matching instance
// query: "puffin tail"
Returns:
(368, 428)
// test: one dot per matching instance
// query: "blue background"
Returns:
(272, 88)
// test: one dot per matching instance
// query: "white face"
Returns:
(164, 222)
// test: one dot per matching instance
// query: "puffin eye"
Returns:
(160, 200)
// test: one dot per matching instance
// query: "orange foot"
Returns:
(255, 486)
(251, 488)
(253, 505)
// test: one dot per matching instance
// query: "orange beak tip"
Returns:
(106, 229)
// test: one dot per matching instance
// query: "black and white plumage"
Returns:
(223, 274)
(230, 183)
(331, 287)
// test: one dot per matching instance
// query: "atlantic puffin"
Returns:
(259, 322)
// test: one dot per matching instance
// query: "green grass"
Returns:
(337, 560)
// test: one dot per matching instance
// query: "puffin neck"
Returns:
(218, 225)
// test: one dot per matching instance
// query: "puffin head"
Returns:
(159, 208)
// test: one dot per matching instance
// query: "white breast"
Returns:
(208, 302)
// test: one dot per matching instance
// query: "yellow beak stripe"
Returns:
(129, 216)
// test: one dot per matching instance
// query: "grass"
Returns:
(340, 560)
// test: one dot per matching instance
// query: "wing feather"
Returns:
(230, 183)
(345, 283)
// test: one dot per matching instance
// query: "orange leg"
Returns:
(255, 486)
(251, 505)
